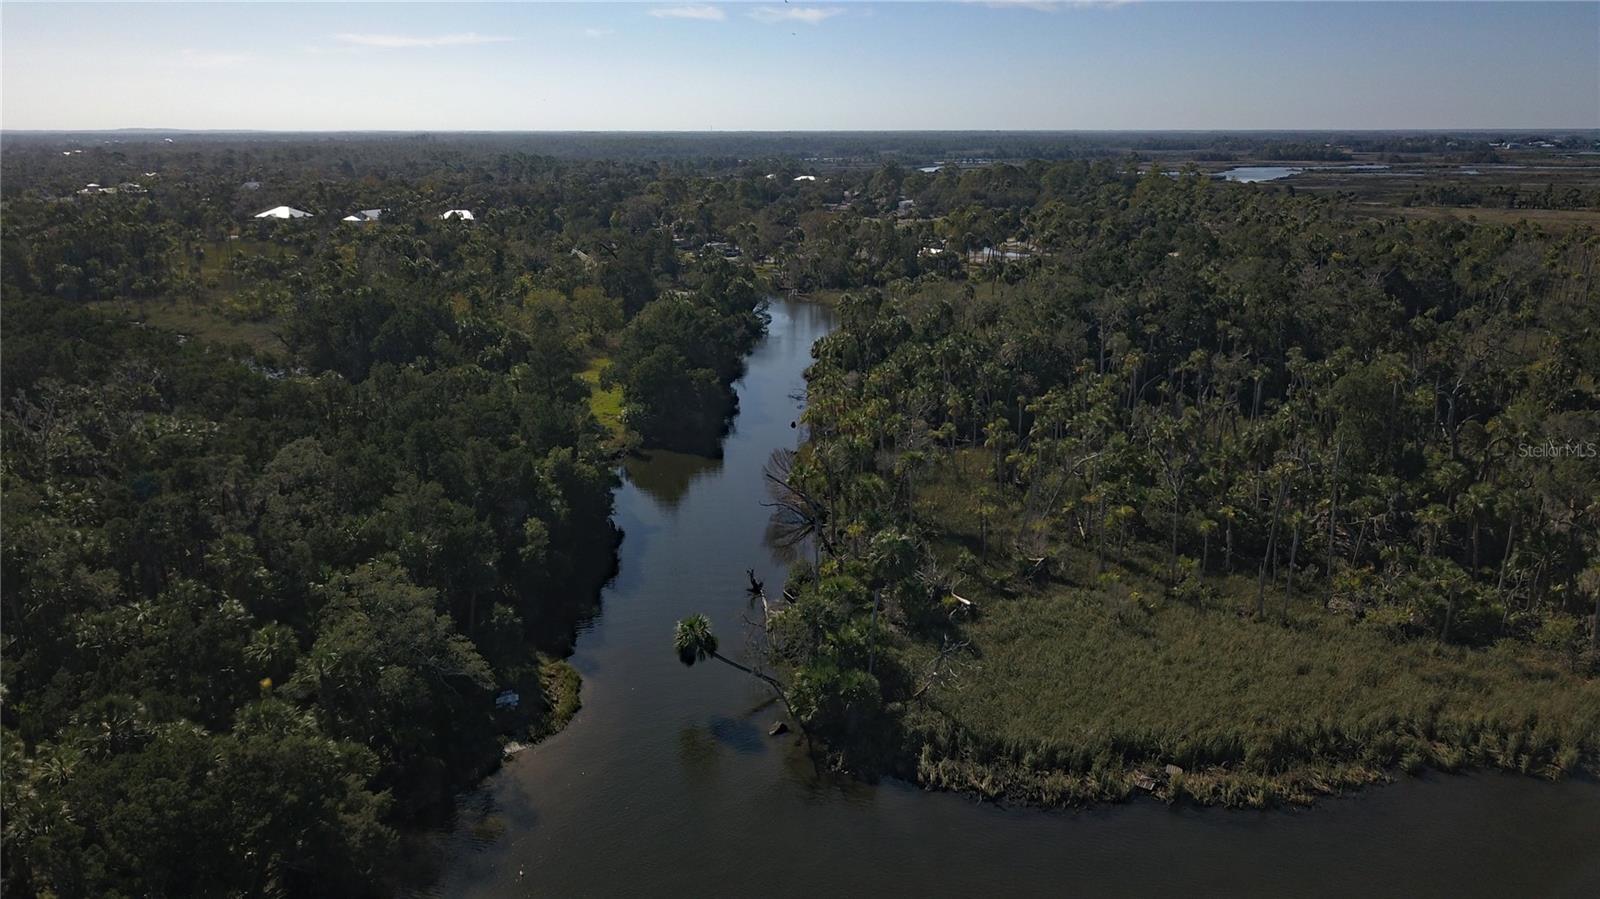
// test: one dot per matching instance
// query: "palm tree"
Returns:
(694, 641)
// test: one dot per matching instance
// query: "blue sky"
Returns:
(801, 66)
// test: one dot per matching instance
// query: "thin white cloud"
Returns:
(703, 13)
(598, 32)
(810, 15)
(402, 41)
(211, 59)
(1050, 5)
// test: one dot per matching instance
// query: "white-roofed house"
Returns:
(283, 212)
(364, 216)
(464, 215)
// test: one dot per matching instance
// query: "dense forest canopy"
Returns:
(298, 511)
(1196, 403)
(291, 506)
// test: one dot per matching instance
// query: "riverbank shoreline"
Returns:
(1585, 777)
(563, 688)
(1172, 785)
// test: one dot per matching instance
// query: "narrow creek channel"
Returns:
(666, 783)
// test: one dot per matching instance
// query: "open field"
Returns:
(1535, 180)
(1553, 219)
(200, 320)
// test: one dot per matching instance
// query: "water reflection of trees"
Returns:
(666, 475)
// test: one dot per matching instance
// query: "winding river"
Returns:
(666, 783)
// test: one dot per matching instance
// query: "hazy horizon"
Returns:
(801, 67)
(1552, 129)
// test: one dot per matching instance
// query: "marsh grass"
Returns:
(1083, 688)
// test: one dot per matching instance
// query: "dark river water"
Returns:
(666, 783)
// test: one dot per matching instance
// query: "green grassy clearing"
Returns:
(212, 313)
(202, 321)
(605, 404)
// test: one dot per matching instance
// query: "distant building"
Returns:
(283, 212)
(464, 215)
(251, 185)
(363, 217)
(805, 177)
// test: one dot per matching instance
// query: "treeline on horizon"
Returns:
(720, 150)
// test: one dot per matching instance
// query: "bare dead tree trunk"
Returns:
(1505, 560)
(1333, 511)
(773, 683)
(1288, 589)
(1172, 564)
(872, 651)
(1594, 626)
(1271, 554)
